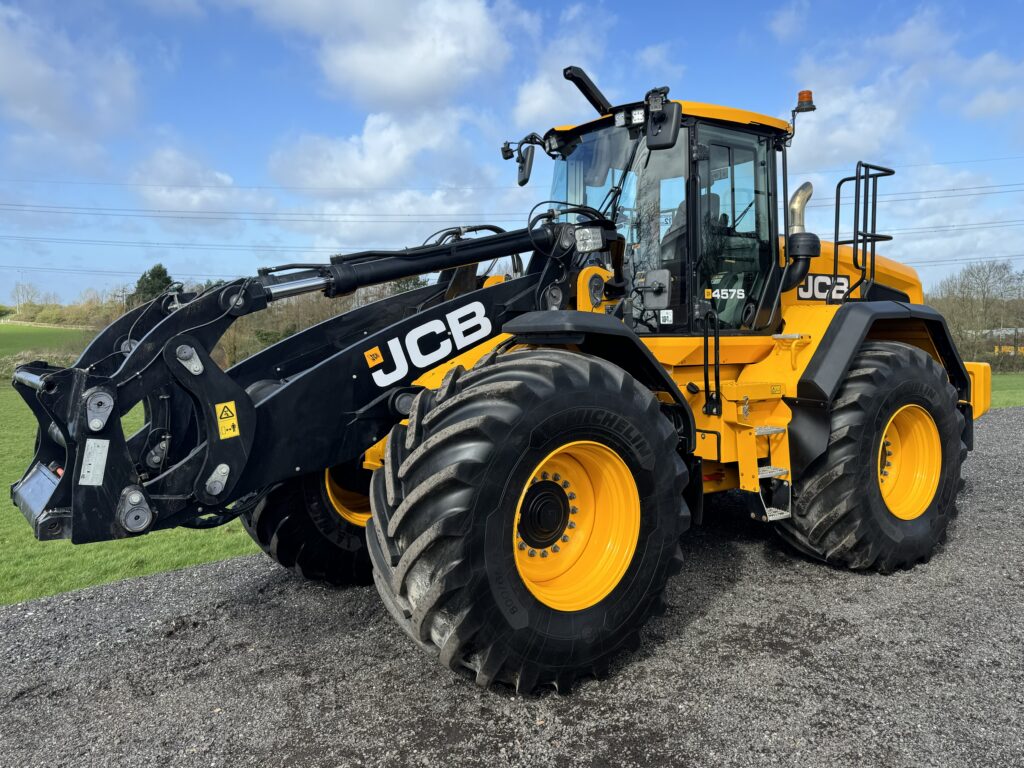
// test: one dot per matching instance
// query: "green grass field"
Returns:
(29, 568)
(1007, 389)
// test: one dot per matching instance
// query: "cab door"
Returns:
(735, 252)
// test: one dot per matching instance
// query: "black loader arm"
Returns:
(214, 441)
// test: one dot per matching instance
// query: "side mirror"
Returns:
(654, 285)
(525, 163)
(663, 125)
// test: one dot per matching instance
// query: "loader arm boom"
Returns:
(214, 440)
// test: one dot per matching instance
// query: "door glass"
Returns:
(736, 250)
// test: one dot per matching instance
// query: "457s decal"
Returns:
(725, 293)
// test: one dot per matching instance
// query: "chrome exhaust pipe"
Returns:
(797, 204)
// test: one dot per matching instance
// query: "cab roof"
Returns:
(711, 112)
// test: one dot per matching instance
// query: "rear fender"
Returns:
(854, 322)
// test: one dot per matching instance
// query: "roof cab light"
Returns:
(637, 116)
(620, 119)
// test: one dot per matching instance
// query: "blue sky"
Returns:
(217, 136)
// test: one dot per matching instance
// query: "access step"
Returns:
(764, 473)
(760, 431)
(774, 513)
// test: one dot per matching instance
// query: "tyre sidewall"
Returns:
(919, 386)
(568, 416)
(336, 529)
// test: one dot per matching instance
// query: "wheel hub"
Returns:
(909, 462)
(576, 525)
(544, 514)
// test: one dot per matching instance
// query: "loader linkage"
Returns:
(215, 441)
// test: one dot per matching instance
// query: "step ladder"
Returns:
(769, 472)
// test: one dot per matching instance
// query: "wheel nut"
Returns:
(573, 510)
(532, 553)
(572, 497)
(544, 475)
(888, 463)
(565, 483)
(555, 548)
(557, 477)
(564, 538)
(572, 524)
(884, 473)
(522, 545)
(543, 553)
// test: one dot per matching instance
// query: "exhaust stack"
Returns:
(797, 204)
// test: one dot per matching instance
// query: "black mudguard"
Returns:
(852, 324)
(611, 339)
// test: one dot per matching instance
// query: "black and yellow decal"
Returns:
(227, 419)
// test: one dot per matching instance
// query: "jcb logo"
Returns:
(428, 344)
(818, 287)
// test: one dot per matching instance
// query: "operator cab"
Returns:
(699, 214)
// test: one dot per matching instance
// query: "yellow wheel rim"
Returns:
(576, 526)
(353, 507)
(909, 462)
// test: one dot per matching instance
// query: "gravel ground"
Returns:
(764, 658)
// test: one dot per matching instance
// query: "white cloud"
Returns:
(171, 180)
(547, 98)
(58, 89)
(391, 51)
(384, 153)
(870, 100)
(788, 22)
(662, 60)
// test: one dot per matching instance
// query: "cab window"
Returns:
(736, 252)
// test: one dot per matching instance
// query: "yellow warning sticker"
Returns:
(707, 293)
(373, 357)
(227, 419)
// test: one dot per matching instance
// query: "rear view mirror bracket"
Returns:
(664, 118)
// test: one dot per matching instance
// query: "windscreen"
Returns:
(651, 213)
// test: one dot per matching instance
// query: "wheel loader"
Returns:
(512, 458)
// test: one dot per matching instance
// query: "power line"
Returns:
(252, 213)
(273, 218)
(293, 217)
(270, 248)
(829, 202)
(964, 260)
(454, 188)
(79, 271)
(258, 187)
(185, 246)
(923, 165)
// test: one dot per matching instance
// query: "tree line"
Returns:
(251, 333)
(983, 304)
(984, 307)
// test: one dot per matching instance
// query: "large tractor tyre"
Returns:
(315, 525)
(527, 519)
(883, 494)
